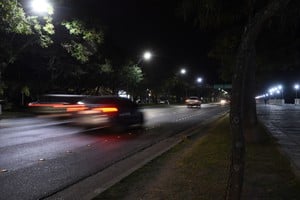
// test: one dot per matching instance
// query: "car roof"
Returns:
(105, 100)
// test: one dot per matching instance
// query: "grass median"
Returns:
(198, 168)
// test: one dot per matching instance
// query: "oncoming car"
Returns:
(193, 101)
(108, 111)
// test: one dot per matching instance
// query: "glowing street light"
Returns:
(147, 55)
(42, 7)
(296, 87)
(199, 80)
(280, 90)
(183, 71)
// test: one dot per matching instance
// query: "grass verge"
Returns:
(198, 168)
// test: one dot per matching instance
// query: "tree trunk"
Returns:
(250, 122)
(243, 73)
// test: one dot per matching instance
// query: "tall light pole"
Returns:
(199, 81)
(296, 87)
(183, 72)
(146, 56)
(281, 90)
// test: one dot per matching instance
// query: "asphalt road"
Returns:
(40, 157)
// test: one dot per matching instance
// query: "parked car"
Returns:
(109, 111)
(193, 101)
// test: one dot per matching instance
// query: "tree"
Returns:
(132, 77)
(15, 25)
(251, 15)
(20, 31)
(85, 41)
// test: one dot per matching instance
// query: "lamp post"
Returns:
(183, 72)
(280, 89)
(296, 87)
(146, 56)
(199, 81)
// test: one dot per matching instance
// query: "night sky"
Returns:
(157, 26)
(138, 25)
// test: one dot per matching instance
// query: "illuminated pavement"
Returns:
(283, 122)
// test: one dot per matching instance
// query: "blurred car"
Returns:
(193, 101)
(223, 101)
(58, 104)
(109, 111)
(163, 101)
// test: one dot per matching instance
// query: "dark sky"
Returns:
(139, 25)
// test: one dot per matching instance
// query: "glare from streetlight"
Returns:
(42, 7)
(296, 86)
(183, 71)
(147, 55)
(199, 80)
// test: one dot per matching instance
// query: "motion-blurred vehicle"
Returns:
(163, 101)
(223, 101)
(109, 111)
(59, 104)
(193, 101)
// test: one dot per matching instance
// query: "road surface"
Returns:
(40, 157)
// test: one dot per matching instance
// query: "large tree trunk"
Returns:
(250, 117)
(244, 60)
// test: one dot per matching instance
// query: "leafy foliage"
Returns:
(85, 41)
(13, 19)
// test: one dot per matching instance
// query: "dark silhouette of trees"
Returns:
(249, 17)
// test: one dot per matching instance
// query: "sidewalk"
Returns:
(283, 123)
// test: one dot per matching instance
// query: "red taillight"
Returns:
(68, 107)
(106, 109)
(76, 108)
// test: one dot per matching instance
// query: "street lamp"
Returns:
(183, 71)
(42, 7)
(296, 87)
(280, 90)
(199, 80)
(147, 55)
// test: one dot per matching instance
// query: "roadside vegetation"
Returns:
(198, 169)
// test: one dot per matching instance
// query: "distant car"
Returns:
(58, 104)
(223, 101)
(163, 101)
(109, 111)
(193, 101)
